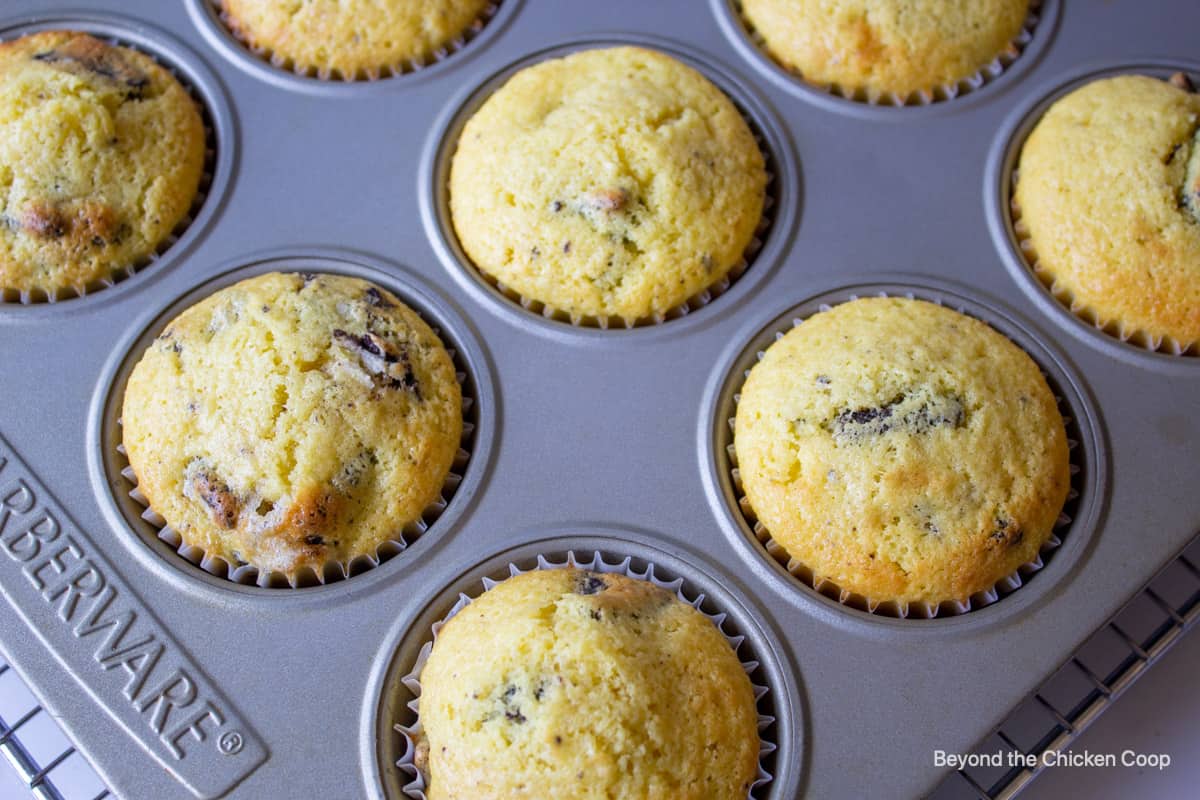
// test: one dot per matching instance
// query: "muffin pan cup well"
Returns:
(214, 23)
(201, 84)
(1038, 26)
(600, 549)
(612, 431)
(779, 206)
(1081, 495)
(151, 528)
(1011, 235)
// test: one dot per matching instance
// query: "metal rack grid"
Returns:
(1097, 674)
(1049, 720)
(38, 749)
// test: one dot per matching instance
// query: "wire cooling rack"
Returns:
(1048, 720)
(1093, 678)
(38, 749)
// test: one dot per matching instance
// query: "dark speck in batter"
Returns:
(590, 583)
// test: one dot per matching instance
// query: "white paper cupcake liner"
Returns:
(924, 97)
(120, 273)
(411, 734)
(1115, 328)
(693, 303)
(333, 570)
(363, 75)
(889, 607)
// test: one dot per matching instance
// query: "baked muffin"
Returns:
(887, 46)
(293, 421)
(902, 450)
(572, 684)
(351, 38)
(609, 183)
(1108, 194)
(101, 153)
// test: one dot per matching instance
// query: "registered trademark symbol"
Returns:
(230, 743)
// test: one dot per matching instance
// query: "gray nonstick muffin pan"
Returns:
(177, 682)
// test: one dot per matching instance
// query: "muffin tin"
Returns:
(586, 440)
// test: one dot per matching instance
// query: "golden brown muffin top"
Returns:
(887, 46)
(571, 684)
(902, 450)
(352, 38)
(291, 421)
(101, 154)
(615, 182)
(1106, 192)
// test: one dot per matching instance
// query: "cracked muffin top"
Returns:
(101, 154)
(351, 38)
(902, 450)
(1108, 190)
(290, 421)
(580, 685)
(881, 46)
(609, 183)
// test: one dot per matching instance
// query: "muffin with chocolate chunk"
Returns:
(101, 155)
(1108, 196)
(897, 47)
(901, 450)
(609, 183)
(567, 683)
(293, 421)
(352, 38)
